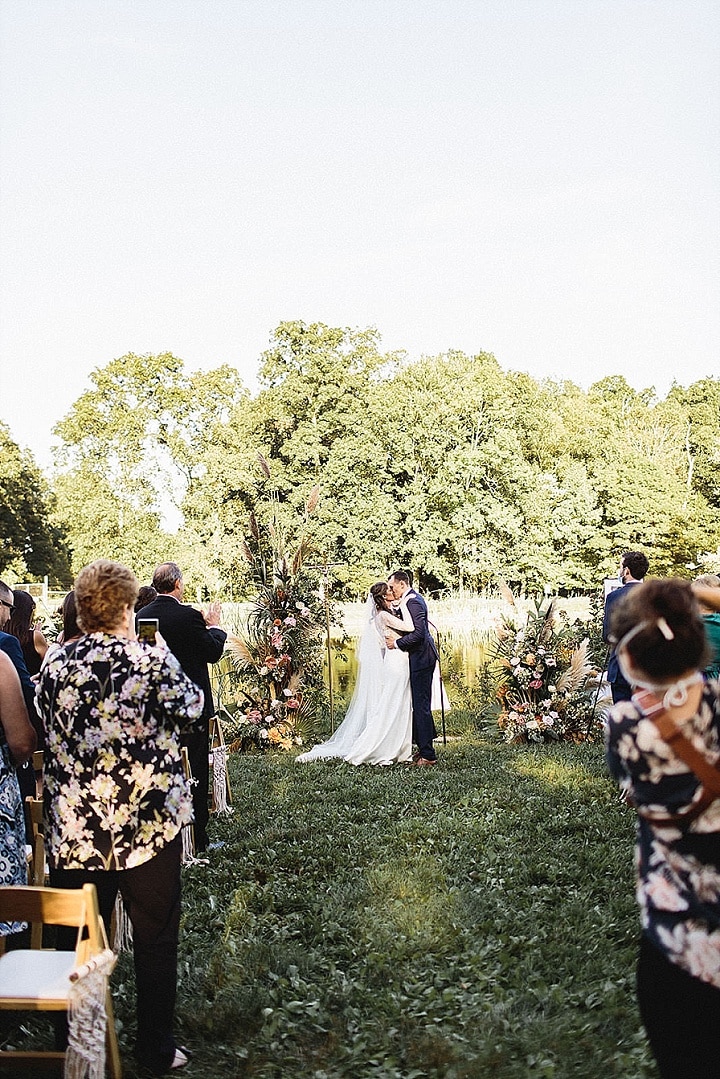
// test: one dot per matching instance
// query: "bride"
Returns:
(378, 726)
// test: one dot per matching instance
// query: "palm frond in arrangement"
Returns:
(240, 655)
(578, 671)
(506, 593)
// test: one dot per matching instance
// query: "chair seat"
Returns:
(36, 975)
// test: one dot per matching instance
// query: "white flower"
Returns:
(532, 725)
(514, 661)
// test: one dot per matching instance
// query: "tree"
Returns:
(311, 422)
(130, 452)
(32, 545)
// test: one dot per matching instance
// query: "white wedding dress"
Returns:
(377, 728)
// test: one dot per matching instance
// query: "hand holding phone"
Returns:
(147, 630)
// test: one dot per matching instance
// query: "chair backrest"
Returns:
(36, 864)
(57, 906)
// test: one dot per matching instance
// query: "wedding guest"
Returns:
(711, 619)
(663, 747)
(146, 595)
(116, 797)
(633, 567)
(10, 645)
(70, 628)
(17, 744)
(196, 638)
(32, 639)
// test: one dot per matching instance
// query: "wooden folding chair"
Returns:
(38, 767)
(45, 980)
(37, 868)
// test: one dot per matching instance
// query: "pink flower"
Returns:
(535, 684)
(293, 703)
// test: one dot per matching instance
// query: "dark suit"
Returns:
(422, 656)
(619, 686)
(194, 645)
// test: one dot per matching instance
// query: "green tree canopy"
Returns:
(32, 546)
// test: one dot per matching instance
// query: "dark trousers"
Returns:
(621, 689)
(198, 747)
(151, 896)
(423, 725)
(681, 1016)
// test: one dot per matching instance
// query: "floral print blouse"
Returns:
(678, 886)
(113, 710)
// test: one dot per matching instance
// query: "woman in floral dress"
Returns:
(116, 798)
(662, 651)
(17, 742)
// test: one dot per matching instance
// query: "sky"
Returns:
(538, 179)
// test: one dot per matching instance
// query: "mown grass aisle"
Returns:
(472, 920)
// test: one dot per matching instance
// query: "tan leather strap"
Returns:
(682, 747)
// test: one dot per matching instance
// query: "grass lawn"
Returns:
(472, 920)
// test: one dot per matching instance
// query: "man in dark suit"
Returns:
(195, 639)
(633, 567)
(422, 656)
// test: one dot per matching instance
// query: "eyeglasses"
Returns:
(9, 606)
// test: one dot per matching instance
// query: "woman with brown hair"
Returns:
(32, 639)
(663, 746)
(116, 797)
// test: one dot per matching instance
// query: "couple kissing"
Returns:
(393, 700)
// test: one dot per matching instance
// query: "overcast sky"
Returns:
(534, 178)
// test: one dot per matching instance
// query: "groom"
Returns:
(422, 655)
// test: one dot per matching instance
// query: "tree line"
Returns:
(449, 465)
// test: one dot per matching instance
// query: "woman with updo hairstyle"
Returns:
(663, 746)
(116, 797)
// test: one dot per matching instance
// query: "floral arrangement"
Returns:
(546, 681)
(272, 686)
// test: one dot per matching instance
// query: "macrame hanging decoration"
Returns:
(123, 934)
(87, 1018)
(219, 770)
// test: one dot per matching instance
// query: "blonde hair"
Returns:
(102, 592)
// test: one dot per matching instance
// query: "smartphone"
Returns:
(147, 628)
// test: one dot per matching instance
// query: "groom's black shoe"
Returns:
(422, 761)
